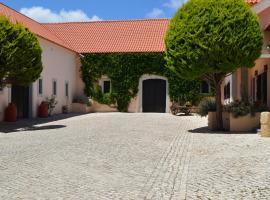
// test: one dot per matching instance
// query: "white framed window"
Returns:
(67, 89)
(259, 88)
(54, 87)
(106, 86)
(40, 86)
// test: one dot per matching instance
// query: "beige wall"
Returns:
(59, 64)
(260, 63)
(264, 19)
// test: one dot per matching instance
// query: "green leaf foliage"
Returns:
(212, 37)
(125, 70)
(20, 54)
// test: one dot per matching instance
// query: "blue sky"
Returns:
(87, 10)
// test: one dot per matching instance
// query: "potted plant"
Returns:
(52, 102)
(65, 109)
(11, 113)
(81, 104)
(243, 116)
(43, 109)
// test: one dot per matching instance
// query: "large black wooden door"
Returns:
(154, 95)
(20, 96)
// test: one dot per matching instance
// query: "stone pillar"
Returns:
(265, 124)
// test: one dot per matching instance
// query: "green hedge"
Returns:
(125, 70)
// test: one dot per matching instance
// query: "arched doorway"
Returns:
(154, 95)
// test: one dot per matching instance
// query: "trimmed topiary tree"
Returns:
(211, 38)
(20, 54)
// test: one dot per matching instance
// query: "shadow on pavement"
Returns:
(205, 130)
(34, 124)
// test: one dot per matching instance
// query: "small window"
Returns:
(67, 89)
(261, 88)
(54, 87)
(40, 86)
(106, 87)
(205, 87)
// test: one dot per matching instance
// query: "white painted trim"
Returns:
(265, 56)
(101, 82)
(140, 93)
(229, 79)
(261, 6)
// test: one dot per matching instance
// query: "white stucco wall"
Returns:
(4, 99)
(59, 64)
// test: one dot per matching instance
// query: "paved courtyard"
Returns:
(131, 156)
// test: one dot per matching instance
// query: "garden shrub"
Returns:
(208, 104)
(241, 108)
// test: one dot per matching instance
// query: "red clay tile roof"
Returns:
(32, 25)
(113, 36)
(252, 2)
(103, 36)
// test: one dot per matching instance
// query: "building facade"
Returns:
(254, 83)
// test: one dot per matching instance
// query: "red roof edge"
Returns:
(64, 45)
(252, 2)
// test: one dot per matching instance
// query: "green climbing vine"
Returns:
(125, 70)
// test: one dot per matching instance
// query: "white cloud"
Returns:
(41, 14)
(175, 4)
(155, 13)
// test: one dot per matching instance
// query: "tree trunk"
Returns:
(219, 108)
(216, 81)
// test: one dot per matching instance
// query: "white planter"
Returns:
(212, 122)
(97, 107)
(80, 108)
(245, 124)
(241, 124)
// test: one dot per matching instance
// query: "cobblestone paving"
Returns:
(132, 156)
(229, 166)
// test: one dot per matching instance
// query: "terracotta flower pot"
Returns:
(43, 110)
(11, 113)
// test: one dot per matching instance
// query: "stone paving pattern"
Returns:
(132, 156)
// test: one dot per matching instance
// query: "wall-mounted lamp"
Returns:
(268, 47)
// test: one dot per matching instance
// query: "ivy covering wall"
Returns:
(125, 70)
